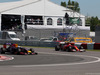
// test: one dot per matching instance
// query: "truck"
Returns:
(8, 35)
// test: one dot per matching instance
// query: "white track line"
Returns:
(63, 64)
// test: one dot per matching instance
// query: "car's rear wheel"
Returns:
(69, 49)
(18, 51)
(74, 49)
(2, 50)
(57, 48)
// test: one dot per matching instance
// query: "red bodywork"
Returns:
(69, 47)
(72, 46)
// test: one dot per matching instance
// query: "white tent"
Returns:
(44, 8)
(36, 7)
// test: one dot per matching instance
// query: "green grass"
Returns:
(36, 47)
(94, 50)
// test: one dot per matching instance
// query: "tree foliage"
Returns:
(63, 4)
(69, 2)
(93, 22)
(71, 5)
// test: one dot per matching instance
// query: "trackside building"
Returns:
(40, 18)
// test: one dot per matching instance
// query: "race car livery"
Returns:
(63, 46)
(15, 49)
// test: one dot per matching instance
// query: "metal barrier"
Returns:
(31, 43)
(49, 44)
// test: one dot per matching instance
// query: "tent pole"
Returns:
(0, 21)
(23, 24)
(44, 14)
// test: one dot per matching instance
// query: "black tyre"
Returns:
(82, 50)
(36, 53)
(66, 50)
(74, 49)
(81, 47)
(2, 51)
(32, 50)
(19, 50)
(57, 48)
(69, 49)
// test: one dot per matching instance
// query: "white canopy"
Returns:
(54, 27)
(36, 7)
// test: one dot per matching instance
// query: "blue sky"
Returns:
(2, 1)
(88, 7)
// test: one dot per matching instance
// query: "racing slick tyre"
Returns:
(69, 49)
(32, 50)
(36, 53)
(82, 49)
(66, 50)
(12, 50)
(73, 49)
(57, 48)
(2, 51)
(18, 51)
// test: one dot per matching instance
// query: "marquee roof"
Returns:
(36, 7)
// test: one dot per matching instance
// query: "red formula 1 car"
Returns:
(68, 47)
(15, 49)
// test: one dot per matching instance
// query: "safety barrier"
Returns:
(88, 45)
(30, 43)
(50, 44)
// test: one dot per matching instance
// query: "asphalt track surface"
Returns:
(50, 62)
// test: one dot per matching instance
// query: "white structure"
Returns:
(50, 13)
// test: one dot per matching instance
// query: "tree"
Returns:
(63, 4)
(69, 2)
(87, 21)
(94, 22)
(73, 5)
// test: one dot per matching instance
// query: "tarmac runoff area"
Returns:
(50, 62)
(47, 57)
